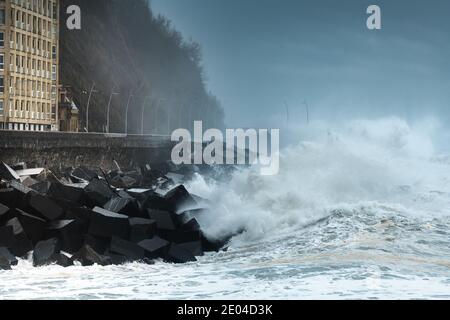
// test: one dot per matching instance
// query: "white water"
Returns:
(361, 211)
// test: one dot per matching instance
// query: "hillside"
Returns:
(122, 45)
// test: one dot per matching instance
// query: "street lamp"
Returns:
(88, 104)
(109, 106)
(143, 113)
(126, 113)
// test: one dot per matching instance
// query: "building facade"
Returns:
(29, 64)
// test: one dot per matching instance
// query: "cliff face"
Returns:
(123, 47)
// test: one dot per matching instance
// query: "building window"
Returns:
(2, 17)
(2, 39)
(54, 72)
(2, 62)
(2, 84)
(1, 107)
(54, 52)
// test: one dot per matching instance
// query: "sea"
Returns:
(357, 211)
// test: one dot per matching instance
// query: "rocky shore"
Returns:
(85, 216)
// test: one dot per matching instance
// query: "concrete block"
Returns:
(3, 209)
(45, 207)
(156, 202)
(22, 245)
(178, 254)
(98, 192)
(64, 261)
(194, 247)
(84, 173)
(87, 256)
(105, 223)
(6, 259)
(33, 226)
(7, 237)
(70, 233)
(154, 247)
(126, 206)
(191, 225)
(72, 194)
(99, 244)
(179, 236)
(210, 244)
(128, 249)
(164, 219)
(46, 252)
(180, 199)
(9, 197)
(41, 187)
(141, 229)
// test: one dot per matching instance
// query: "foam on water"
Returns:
(357, 211)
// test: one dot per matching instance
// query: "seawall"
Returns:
(58, 150)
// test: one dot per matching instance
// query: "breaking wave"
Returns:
(384, 163)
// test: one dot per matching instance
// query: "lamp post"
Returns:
(126, 112)
(88, 104)
(143, 113)
(108, 108)
(307, 111)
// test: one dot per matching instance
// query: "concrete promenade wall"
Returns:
(58, 150)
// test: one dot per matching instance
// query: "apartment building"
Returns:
(29, 63)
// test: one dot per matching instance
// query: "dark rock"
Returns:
(124, 182)
(154, 247)
(178, 254)
(41, 187)
(99, 192)
(99, 244)
(84, 173)
(179, 236)
(105, 223)
(117, 259)
(210, 244)
(7, 259)
(79, 213)
(128, 249)
(46, 252)
(180, 199)
(22, 245)
(164, 219)
(141, 229)
(28, 182)
(3, 209)
(19, 187)
(64, 261)
(69, 233)
(33, 226)
(87, 256)
(194, 247)
(191, 225)
(9, 197)
(154, 201)
(7, 237)
(125, 206)
(7, 173)
(72, 194)
(45, 207)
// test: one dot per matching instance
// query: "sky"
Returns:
(264, 57)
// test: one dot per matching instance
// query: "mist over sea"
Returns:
(360, 210)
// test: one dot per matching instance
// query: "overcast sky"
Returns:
(260, 53)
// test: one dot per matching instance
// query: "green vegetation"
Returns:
(122, 45)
